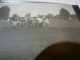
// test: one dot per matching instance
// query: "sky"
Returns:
(36, 8)
(61, 1)
(76, 2)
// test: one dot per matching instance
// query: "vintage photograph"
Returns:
(26, 29)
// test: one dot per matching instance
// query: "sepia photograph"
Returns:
(26, 29)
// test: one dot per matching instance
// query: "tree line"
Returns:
(4, 12)
(63, 14)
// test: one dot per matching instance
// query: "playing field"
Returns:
(27, 43)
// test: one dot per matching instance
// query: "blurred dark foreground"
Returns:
(61, 51)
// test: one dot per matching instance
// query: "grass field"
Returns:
(26, 44)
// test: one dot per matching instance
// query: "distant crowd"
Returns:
(28, 21)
